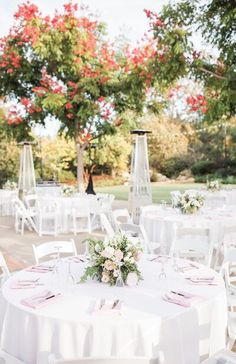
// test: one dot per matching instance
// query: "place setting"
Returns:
(117, 182)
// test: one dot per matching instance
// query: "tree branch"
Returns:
(212, 73)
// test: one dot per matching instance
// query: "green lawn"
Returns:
(159, 191)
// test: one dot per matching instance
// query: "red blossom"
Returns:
(26, 102)
(70, 115)
(101, 99)
(197, 103)
(69, 106)
(27, 11)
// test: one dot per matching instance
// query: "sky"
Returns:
(121, 16)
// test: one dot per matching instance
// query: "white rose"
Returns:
(108, 252)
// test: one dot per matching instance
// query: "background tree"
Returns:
(63, 67)
(174, 29)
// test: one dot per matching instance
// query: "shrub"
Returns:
(203, 168)
(154, 176)
(175, 165)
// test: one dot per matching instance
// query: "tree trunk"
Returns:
(80, 167)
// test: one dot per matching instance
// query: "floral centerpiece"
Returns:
(214, 185)
(68, 190)
(10, 185)
(113, 259)
(189, 203)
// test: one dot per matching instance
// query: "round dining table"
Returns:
(160, 222)
(178, 307)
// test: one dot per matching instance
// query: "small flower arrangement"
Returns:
(10, 185)
(214, 185)
(68, 190)
(189, 203)
(111, 259)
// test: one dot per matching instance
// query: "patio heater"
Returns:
(26, 182)
(140, 193)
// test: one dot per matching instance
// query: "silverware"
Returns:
(102, 303)
(49, 297)
(179, 294)
(115, 303)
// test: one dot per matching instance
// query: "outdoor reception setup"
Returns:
(117, 182)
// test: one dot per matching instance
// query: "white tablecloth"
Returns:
(69, 329)
(159, 224)
(65, 205)
(218, 198)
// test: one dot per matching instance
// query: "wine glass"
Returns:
(119, 280)
(70, 278)
(175, 265)
(163, 271)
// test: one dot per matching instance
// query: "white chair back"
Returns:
(52, 247)
(106, 225)
(30, 201)
(4, 268)
(6, 358)
(122, 216)
(222, 357)
(193, 242)
(138, 232)
(80, 208)
(174, 197)
(214, 201)
(22, 216)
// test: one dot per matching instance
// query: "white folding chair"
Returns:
(214, 201)
(6, 358)
(80, 214)
(193, 243)
(50, 359)
(121, 216)
(48, 212)
(137, 232)
(105, 224)
(222, 357)
(23, 217)
(174, 197)
(52, 247)
(4, 268)
(31, 202)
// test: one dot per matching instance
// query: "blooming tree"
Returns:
(63, 66)
(174, 29)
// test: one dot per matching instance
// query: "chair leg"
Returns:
(230, 343)
(22, 225)
(74, 224)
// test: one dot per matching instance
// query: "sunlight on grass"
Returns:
(159, 191)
